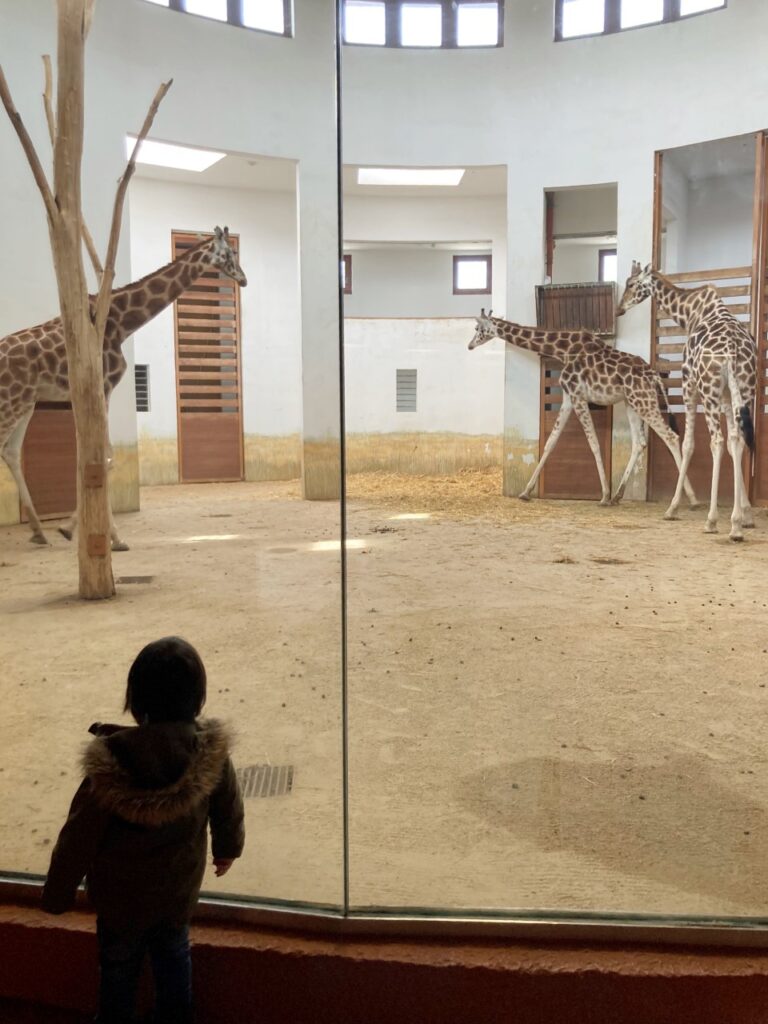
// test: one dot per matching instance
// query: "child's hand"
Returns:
(222, 865)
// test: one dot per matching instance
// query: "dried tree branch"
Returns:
(105, 290)
(48, 105)
(29, 149)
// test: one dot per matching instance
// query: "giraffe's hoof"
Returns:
(747, 526)
(671, 517)
(710, 528)
(694, 506)
(605, 503)
(736, 537)
(38, 538)
(616, 499)
(120, 545)
(524, 496)
(65, 533)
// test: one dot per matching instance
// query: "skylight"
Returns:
(365, 22)
(164, 154)
(478, 24)
(268, 15)
(409, 176)
(583, 17)
(421, 24)
(641, 12)
(216, 9)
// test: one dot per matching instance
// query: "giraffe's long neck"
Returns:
(136, 304)
(683, 305)
(553, 344)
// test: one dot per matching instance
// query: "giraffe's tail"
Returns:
(744, 413)
(664, 404)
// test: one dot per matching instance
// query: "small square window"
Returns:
(346, 274)
(365, 22)
(641, 12)
(216, 9)
(267, 15)
(477, 24)
(695, 6)
(582, 18)
(471, 275)
(421, 24)
(608, 265)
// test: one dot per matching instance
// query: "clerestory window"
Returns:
(576, 18)
(433, 24)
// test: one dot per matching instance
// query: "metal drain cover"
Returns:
(265, 780)
(134, 579)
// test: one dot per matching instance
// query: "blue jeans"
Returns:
(121, 957)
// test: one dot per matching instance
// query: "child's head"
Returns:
(166, 682)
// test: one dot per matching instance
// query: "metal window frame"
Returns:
(612, 20)
(235, 17)
(487, 258)
(450, 21)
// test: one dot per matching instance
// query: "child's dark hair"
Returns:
(166, 682)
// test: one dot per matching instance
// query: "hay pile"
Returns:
(477, 494)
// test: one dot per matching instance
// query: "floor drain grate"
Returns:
(266, 780)
(135, 579)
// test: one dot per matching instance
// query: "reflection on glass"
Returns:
(268, 15)
(421, 24)
(478, 24)
(216, 9)
(583, 17)
(641, 12)
(694, 6)
(365, 22)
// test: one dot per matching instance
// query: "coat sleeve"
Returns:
(74, 851)
(226, 816)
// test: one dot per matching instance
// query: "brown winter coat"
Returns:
(137, 827)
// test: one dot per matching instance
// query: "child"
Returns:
(137, 831)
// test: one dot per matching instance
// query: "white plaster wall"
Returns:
(719, 223)
(411, 282)
(574, 263)
(566, 114)
(585, 211)
(234, 90)
(269, 305)
(432, 219)
(458, 391)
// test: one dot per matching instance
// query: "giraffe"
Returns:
(33, 362)
(592, 372)
(719, 370)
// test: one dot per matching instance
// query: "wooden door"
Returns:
(207, 333)
(49, 460)
(570, 470)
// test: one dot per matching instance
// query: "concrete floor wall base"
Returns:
(252, 975)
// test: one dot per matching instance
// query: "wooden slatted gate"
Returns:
(734, 286)
(209, 406)
(49, 460)
(570, 470)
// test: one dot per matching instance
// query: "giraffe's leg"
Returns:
(562, 419)
(685, 462)
(639, 443)
(11, 454)
(741, 517)
(712, 415)
(672, 441)
(68, 530)
(581, 408)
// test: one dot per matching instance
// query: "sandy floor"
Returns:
(551, 705)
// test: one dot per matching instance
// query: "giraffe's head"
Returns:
(637, 288)
(484, 329)
(222, 256)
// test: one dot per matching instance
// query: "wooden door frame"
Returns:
(238, 364)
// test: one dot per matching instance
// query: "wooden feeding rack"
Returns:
(589, 306)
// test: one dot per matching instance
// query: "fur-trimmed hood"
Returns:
(156, 773)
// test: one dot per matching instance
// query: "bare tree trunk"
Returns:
(84, 345)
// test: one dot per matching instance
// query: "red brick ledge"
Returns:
(250, 975)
